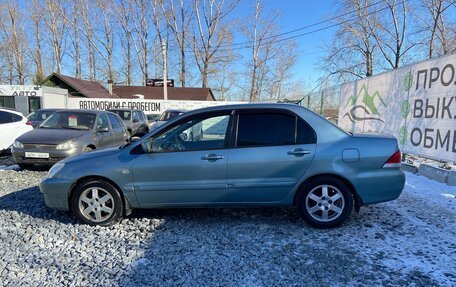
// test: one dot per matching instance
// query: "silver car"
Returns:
(66, 133)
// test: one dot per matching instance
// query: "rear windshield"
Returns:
(124, 115)
(69, 120)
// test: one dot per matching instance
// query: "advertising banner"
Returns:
(21, 90)
(416, 104)
(148, 106)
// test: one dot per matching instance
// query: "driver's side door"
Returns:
(186, 165)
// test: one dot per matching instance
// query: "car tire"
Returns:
(325, 202)
(97, 202)
(87, 149)
(25, 166)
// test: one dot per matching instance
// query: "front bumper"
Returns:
(54, 155)
(56, 192)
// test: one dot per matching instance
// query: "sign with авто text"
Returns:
(416, 104)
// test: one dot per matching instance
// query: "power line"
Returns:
(309, 32)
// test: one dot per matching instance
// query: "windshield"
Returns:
(124, 115)
(69, 120)
(39, 115)
(169, 115)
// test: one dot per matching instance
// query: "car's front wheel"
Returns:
(97, 202)
(325, 202)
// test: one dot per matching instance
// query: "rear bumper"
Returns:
(379, 186)
(54, 155)
(56, 192)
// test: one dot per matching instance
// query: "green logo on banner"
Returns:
(408, 81)
(405, 109)
(365, 103)
(402, 135)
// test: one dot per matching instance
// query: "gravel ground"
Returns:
(407, 242)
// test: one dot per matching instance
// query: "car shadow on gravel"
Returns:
(30, 201)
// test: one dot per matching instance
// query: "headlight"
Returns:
(18, 144)
(55, 169)
(66, 145)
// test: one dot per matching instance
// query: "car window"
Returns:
(39, 115)
(265, 129)
(102, 121)
(115, 123)
(6, 117)
(142, 116)
(124, 115)
(196, 134)
(305, 134)
(69, 120)
(135, 116)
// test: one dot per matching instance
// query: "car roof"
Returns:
(4, 109)
(250, 106)
(48, 110)
(175, 111)
(82, 111)
(129, 110)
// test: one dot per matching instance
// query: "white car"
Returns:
(12, 125)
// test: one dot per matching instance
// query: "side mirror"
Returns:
(135, 120)
(102, 130)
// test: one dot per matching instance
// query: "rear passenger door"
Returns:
(272, 151)
(120, 134)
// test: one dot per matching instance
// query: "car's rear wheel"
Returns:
(97, 202)
(325, 202)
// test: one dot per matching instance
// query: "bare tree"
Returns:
(16, 48)
(37, 53)
(211, 33)
(56, 26)
(178, 18)
(351, 53)
(87, 29)
(140, 23)
(75, 39)
(437, 29)
(123, 14)
(389, 30)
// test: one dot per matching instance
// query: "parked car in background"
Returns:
(12, 125)
(151, 119)
(35, 118)
(66, 133)
(166, 116)
(243, 155)
(135, 120)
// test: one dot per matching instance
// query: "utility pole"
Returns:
(165, 71)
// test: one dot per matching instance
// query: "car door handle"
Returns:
(212, 157)
(298, 152)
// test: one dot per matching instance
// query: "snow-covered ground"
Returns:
(407, 242)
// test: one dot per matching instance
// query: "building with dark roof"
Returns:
(90, 89)
(156, 93)
(77, 87)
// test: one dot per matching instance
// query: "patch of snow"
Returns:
(9, 167)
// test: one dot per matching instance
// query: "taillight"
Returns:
(29, 123)
(394, 160)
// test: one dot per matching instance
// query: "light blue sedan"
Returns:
(231, 156)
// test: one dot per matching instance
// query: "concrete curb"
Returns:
(438, 174)
(409, 167)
